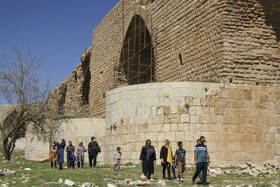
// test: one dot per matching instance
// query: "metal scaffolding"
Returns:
(133, 63)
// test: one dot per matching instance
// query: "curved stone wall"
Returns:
(240, 122)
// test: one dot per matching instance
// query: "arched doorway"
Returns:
(137, 56)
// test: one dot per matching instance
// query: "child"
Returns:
(53, 156)
(180, 157)
(117, 158)
(72, 160)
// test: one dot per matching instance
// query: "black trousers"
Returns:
(72, 164)
(68, 157)
(79, 164)
(201, 166)
(60, 166)
(164, 166)
(54, 164)
(92, 157)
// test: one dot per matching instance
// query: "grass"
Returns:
(42, 174)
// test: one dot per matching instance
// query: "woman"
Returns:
(148, 159)
(60, 152)
(80, 154)
(166, 158)
(53, 156)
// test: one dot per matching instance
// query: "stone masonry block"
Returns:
(185, 118)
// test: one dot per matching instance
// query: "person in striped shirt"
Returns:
(201, 159)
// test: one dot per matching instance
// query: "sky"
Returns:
(57, 31)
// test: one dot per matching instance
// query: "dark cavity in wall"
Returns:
(61, 101)
(137, 56)
(87, 78)
(86, 87)
(271, 9)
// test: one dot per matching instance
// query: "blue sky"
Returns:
(58, 31)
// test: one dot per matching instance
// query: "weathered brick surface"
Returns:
(230, 40)
(71, 97)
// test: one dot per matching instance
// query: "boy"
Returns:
(180, 158)
(72, 160)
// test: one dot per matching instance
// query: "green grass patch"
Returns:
(42, 174)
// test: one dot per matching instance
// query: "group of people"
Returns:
(201, 159)
(57, 153)
(147, 158)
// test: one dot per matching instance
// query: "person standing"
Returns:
(53, 156)
(93, 150)
(80, 154)
(148, 159)
(199, 175)
(166, 158)
(69, 149)
(202, 160)
(60, 152)
(117, 158)
(72, 160)
(180, 159)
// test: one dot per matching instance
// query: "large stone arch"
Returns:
(136, 62)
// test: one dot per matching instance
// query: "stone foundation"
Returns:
(240, 122)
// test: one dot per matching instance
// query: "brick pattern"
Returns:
(250, 37)
(71, 97)
(230, 40)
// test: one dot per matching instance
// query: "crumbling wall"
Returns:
(71, 97)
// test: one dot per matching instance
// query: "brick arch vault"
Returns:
(137, 55)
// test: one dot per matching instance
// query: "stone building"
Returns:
(178, 70)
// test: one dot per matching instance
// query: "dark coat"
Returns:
(163, 154)
(148, 155)
(93, 148)
(60, 152)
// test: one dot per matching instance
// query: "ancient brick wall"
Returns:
(251, 49)
(71, 97)
(230, 40)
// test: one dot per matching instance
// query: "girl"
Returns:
(117, 158)
(53, 156)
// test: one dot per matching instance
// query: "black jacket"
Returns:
(93, 148)
(164, 153)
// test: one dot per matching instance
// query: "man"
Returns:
(180, 158)
(202, 160)
(69, 149)
(93, 150)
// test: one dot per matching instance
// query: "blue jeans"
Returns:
(173, 169)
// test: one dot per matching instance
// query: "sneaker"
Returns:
(205, 184)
